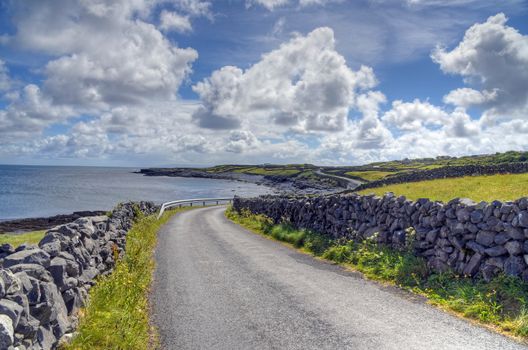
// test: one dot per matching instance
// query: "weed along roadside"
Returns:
(117, 314)
(500, 303)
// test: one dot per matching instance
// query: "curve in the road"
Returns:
(218, 286)
(351, 183)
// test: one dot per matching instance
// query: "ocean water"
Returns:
(40, 191)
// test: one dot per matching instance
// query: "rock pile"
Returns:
(448, 171)
(42, 287)
(469, 238)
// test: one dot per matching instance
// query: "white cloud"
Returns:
(467, 97)
(272, 4)
(30, 112)
(120, 58)
(172, 21)
(241, 140)
(5, 80)
(493, 57)
(414, 115)
(305, 84)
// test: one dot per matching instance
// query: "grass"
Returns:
(478, 188)
(116, 316)
(501, 303)
(17, 239)
(370, 175)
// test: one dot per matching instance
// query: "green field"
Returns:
(370, 175)
(17, 239)
(478, 188)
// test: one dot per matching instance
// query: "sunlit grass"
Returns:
(370, 175)
(478, 188)
(15, 240)
(501, 303)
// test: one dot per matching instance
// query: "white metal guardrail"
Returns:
(182, 202)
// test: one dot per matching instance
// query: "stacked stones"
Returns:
(42, 287)
(448, 171)
(468, 238)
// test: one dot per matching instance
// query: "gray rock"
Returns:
(33, 270)
(514, 247)
(485, 238)
(12, 310)
(501, 238)
(45, 338)
(523, 218)
(477, 216)
(474, 246)
(473, 265)
(496, 251)
(7, 333)
(514, 265)
(32, 256)
(11, 282)
(2, 288)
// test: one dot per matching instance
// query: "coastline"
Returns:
(18, 226)
(280, 184)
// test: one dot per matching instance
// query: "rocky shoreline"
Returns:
(279, 183)
(36, 224)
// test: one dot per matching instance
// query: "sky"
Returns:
(198, 82)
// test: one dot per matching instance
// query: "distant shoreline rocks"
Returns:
(44, 223)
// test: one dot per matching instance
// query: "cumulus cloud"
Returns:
(493, 57)
(467, 97)
(241, 140)
(304, 84)
(414, 115)
(120, 59)
(172, 21)
(30, 112)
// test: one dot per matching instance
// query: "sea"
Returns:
(42, 191)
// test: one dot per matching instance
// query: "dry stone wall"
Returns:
(42, 287)
(469, 238)
(448, 171)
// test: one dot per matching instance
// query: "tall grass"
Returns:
(117, 315)
(501, 303)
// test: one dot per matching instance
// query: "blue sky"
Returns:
(165, 82)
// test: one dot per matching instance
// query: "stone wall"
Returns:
(42, 287)
(469, 238)
(448, 171)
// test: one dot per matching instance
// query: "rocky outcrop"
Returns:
(43, 286)
(446, 172)
(469, 238)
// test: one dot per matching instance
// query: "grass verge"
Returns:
(501, 303)
(116, 316)
(478, 188)
(16, 239)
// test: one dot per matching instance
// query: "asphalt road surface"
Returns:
(218, 286)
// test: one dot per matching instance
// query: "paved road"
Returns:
(218, 286)
(351, 183)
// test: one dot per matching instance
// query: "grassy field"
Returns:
(501, 304)
(116, 316)
(370, 175)
(478, 188)
(17, 239)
